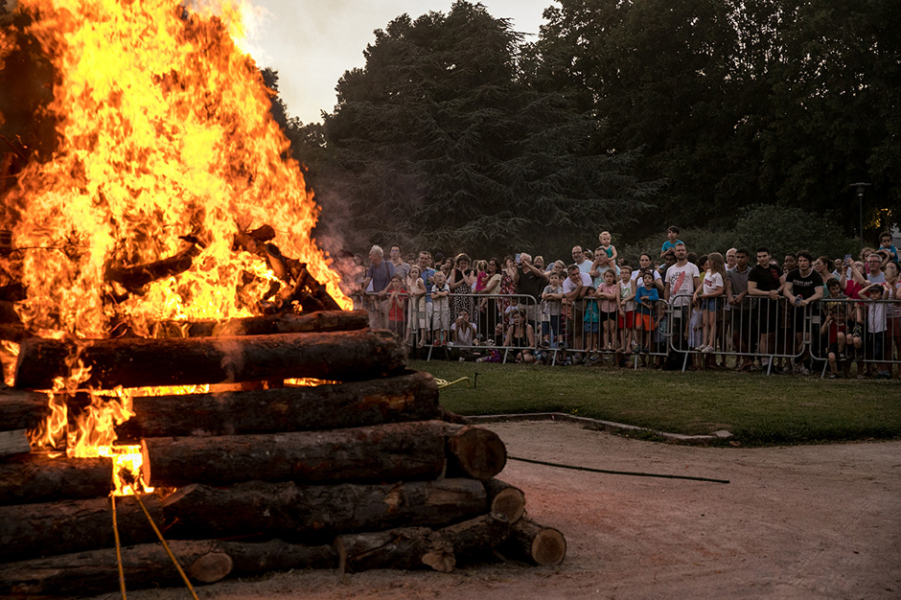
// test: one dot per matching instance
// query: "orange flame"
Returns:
(164, 139)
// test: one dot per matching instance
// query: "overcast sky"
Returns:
(312, 42)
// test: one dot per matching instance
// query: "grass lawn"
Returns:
(757, 409)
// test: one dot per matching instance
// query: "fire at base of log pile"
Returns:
(363, 472)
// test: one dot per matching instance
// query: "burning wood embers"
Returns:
(364, 471)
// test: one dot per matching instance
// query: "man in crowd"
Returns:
(764, 283)
(579, 259)
(400, 267)
(803, 286)
(529, 281)
(576, 286)
(379, 275)
(680, 282)
(737, 298)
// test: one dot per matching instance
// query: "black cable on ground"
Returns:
(633, 473)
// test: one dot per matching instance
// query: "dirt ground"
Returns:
(794, 523)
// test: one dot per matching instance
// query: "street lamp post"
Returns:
(861, 189)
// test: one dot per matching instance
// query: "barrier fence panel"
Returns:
(757, 333)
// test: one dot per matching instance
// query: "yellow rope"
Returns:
(444, 383)
(118, 548)
(166, 546)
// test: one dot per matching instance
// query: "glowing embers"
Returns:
(128, 463)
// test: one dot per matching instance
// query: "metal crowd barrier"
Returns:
(864, 331)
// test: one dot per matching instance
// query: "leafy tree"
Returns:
(439, 142)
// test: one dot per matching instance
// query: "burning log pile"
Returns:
(364, 471)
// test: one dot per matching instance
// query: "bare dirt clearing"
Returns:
(796, 522)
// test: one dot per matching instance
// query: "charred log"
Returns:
(22, 410)
(312, 514)
(363, 454)
(409, 397)
(146, 565)
(48, 529)
(332, 320)
(135, 278)
(38, 478)
(402, 548)
(142, 362)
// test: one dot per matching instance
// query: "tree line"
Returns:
(624, 115)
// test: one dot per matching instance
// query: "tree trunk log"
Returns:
(35, 530)
(140, 362)
(535, 543)
(14, 442)
(402, 548)
(37, 478)
(320, 321)
(389, 452)
(505, 499)
(474, 452)
(147, 565)
(477, 535)
(313, 514)
(409, 397)
(22, 410)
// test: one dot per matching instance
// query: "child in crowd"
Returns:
(885, 243)
(609, 249)
(591, 320)
(710, 297)
(695, 331)
(647, 296)
(440, 309)
(876, 327)
(481, 275)
(672, 238)
(464, 336)
(417, 326)
(550, 301)
(608, 294)
(627, 309)
(834, 326)
(397, 309)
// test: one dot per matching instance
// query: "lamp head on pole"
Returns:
(861, 188)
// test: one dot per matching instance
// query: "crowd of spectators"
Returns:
(599, 306)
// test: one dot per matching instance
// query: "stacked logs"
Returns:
(367, 472)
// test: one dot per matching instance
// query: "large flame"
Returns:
(164, 132)
(164, 142)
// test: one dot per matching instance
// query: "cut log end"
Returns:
(475, 452)
(541, 545)
(211, 567)
(506, 499)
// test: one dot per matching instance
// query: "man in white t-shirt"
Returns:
(680, 282)
(579, 259)
(576, 286)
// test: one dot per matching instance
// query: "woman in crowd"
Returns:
(488, 313)
(461, 282)
(521, 335)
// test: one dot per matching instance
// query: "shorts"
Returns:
(608, 316)
(645, 322)
(712, 304)
(440, 316)
(627, 321)
(797, 319)
(591, 327)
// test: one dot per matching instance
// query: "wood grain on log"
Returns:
(535, 543)
(315, 513)
(22, 410)
(139, 362)
(412, 396)
(478, 534)
(146, 565)
(47, 529)
(402, 548)
(387, 452)
(326, 320)
(38, 478)
(474, 452)
(505, 499)
(14, 442)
